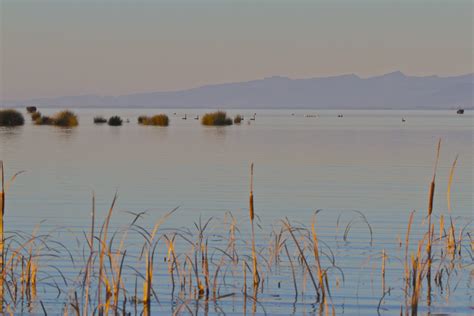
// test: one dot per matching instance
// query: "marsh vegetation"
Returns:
(100, 120)
(218, 118)
(60, 119)
(155, 120)
(10, 118)
(115, 121)
(138, 267)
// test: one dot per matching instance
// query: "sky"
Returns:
(115, 47)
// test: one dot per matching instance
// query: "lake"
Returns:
(369, 161)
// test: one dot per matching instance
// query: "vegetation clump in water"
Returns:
(61, 119)
(100, 120)
(237, 119)
(65, 119)
(10, 117)
(35, 116)
(31, 109)
(155, 120)
(218, 118)
(115, 121)
(44, 120)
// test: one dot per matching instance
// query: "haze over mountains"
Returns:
(390, 91)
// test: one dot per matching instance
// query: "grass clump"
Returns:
(218, 118)
(61, 119)
(115, 121)
(10, 117)
(155, 120)
(35, 116)
(142, 119)
(100, 120)
(65, 119)
(237, 119)
(44, 120)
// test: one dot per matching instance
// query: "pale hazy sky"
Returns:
(71, 47)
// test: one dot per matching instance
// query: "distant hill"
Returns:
(390, 91)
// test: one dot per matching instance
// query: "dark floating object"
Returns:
(185, 117)
(460, 111)
(403, 119)
(340, 115)
(31, 109)
(197, 117)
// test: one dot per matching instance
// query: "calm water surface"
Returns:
(368, 161)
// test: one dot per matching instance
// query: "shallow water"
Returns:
(369, 161)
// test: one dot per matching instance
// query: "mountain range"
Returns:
(390, 91)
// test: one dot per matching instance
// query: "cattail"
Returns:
(384, 256)
(252, 215)
(256, 277)
(432, 185)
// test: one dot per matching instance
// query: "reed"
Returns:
(430, 230)
(2, 236)
(256, 277)
(199, 263)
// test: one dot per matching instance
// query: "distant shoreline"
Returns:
(390, 91)
(78, 107)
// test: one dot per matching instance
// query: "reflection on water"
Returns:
(63, 133)
(10, 133)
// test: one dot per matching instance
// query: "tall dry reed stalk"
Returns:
(430, 230)
(2, 237)
(89, 267)
(256, 277)
(102, 251)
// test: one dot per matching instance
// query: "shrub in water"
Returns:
(44, 120)
(142, 119)
(65, 119)
(115, 121)
(35, 116)
(100, 120)
(31, 109)
(218, 118)
(156, 120)
(10, 117)
(237, 119)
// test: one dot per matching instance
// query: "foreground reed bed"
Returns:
(140, 268)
